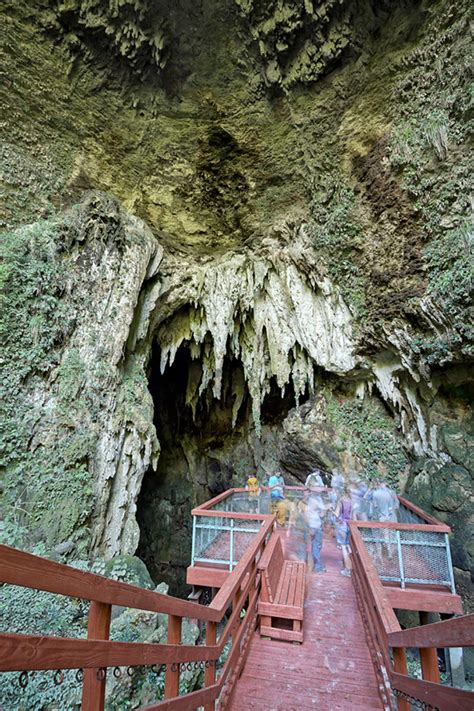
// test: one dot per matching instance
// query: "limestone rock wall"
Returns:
(78, 414)
(280, 186)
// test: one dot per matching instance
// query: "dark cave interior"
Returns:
(200, 457)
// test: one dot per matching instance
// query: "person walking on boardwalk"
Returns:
(385, 502)
(298, 527)
(253, 488)
(385, 506)
(343, 514)
(315, 512)
(276, 484)
(358, 491)
(337, 481)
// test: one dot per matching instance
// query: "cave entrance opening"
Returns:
(202, 454)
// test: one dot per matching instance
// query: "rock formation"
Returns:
(237, 235)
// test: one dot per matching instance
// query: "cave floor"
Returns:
(332, 670)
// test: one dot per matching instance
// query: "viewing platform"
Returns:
(276, 635)
(412, 556)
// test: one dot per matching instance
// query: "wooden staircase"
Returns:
(353, 656)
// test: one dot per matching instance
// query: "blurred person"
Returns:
(278, 507)
(385, 506)
(337, 480)
(254, 491)
(343, 514)
(298, 527)
(369, 500)
(358, 490)
(315, 513)
(385, 502)
(314, 480)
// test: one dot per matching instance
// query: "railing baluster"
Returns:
(231, 544)
(450, 563)
(400, 666)
(93, 687)
(193, 542)
(400, 559)
(210, 671)
(172, 676)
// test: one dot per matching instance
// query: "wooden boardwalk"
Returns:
(331, 671)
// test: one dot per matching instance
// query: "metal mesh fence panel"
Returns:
(425, 558)
(406, 515)
(218, 539)
(405, 556)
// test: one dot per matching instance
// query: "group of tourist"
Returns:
(333, 503)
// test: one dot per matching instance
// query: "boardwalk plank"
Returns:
(332, 670)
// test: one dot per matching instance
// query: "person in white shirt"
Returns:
(314, 480)
(385, 505)
(385, 502)
(315, 513)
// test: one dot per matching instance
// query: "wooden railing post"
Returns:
(172, 676)
(93, 688)
(210, 671)
(429, 656)
(400, 666)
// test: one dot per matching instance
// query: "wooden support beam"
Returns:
(455, 632)
(172, 676)
(427, 600)
(429, 656)
(93, 687)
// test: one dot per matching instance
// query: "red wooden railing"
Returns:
(20, 652)
(240, 590)
(384, 632)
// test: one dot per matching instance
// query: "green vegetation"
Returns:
(47, 484)
(338, 236)
(367, 431)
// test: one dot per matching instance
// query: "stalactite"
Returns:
(261, 310)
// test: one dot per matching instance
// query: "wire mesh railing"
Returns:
(222, 540)
(405, 556)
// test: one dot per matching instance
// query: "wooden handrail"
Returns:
(31, 652)
(419, 512)
(234, 580)
(240, 490)
(456, 632)
(445, 698)
(20, 652)
(212, 502)
(385, 632)
(384, 608)
(31, 571)
(238, 515)
(425, 527)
